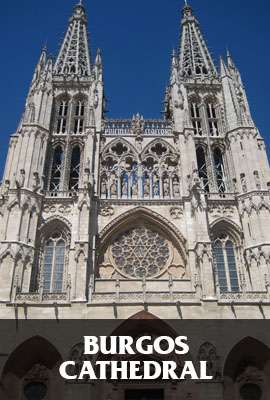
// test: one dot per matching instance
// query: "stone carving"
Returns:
(221, 211)
(36, 182)
(208, 352)
(176, 212)
(177, 271)
(106, 271)
(129, 173)
(107, 211)
(141, 252)
(138, 126)
(37, 373)
(21, 180)
(251, 374)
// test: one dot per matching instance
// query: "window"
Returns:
(225, 260)
(196, 118)
(212, 119)
(219, 170)
(56, 172)
(202, 168)
(79, 117)
(250, 391)
(53, 268)
(75, 169)
(140, 252)
(62, 117)
(35, 391)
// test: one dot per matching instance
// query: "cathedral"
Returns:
(139, 218)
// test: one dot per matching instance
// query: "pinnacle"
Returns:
(74, 57)
(195, 58)
(187, 10)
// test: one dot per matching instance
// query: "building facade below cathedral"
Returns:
(104, 218)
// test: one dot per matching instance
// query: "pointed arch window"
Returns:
(196, 118)
(75, 166)
(62, 117)
(219, 170)
(226, 268)
(212, 119)
(57, 167)
(202, 167)
(53, 266)
(79, 117)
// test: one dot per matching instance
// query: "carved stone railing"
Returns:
(118, 127)
(37, 298)
(125, 127)
(244, 297)
(148, 297)
(68, 194)
(221, 196)
(155, 127)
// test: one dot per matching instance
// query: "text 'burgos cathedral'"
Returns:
(104, 218)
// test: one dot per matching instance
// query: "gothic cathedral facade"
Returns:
(104, 218)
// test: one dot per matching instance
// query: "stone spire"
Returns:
(195, 58)
(74, 57)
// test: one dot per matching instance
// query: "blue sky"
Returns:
(136, 39)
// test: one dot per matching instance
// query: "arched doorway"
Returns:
(30, 372)
(247, 371)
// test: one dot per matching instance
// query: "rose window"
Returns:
(141, 253)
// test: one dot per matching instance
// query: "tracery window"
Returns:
(204, 115)
(226, 267)
(53, 264)
(196, 118)
(219, 170)
(79, 117)
(61, 126)
(155, 176)
(202, 167)
(56, 169)
(141, 252)
(212, 119)
(75, 164)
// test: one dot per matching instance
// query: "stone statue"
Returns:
(36, 182)
(176, 188)
(21, 180)
(114, 187)
(124, 186)
(146, 187)
(104, 187)
(166, 187)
